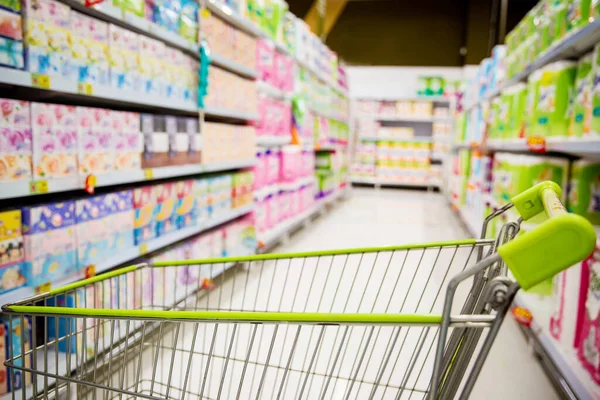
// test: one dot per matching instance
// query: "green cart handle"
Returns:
(559, 242)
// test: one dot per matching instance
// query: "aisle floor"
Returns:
(390, 217)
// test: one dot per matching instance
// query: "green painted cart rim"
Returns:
(232, 316)
(267, 257)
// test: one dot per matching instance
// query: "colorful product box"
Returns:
(47, 37)
(80, 343)
(120, 220)
(15, 333)
(15, 140)
(50, 242)
(54, 132)
(166, 219)
(92, 230)
(11, 251)
(123, 50)
(144, 226)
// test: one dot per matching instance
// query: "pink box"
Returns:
(15, 113)
(165, 191)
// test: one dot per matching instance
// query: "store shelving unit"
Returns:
(232, 115)
(424, 119)
(17, 189)
(273, 92)
(273, 140)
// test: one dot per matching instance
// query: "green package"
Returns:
(584, 190)
(533, 90)
(135, 7)
(578, 14)
(581, 113)
(516, 113)
(289, 32)
(595, 9)
(461, 127)
(595, 124)
(465, 170)
(493, 120)
(558, 22)
(503, 113)
(550, 114)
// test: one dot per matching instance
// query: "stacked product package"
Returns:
(282, 185)
(223, 142)
(230, 91)
(11, 34)
(229, 42)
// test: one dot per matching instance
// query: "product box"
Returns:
(584, 190)
(80, 343)
(145, 195)
(15, 153)
(54, 138)
(123, 50)
(581, 115)
(91, 229)
(120, 220)
(47, 37)
(144, 226)
(12, 251)
(166, 218)
(185, 211)
(15, 333)
(50, 242)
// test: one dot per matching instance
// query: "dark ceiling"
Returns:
(414, 33)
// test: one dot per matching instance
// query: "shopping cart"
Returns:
(342, 324)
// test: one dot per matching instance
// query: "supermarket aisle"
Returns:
(392, 217)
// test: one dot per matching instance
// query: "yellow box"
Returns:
(10, 224)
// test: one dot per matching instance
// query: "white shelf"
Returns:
(408, 118)
(327, 114)
(67, 87)
(568, 366)
(229, 114)
(273, 92)
(22, 188)
(553, 144)
(233, 66)
(231, 16)
(132, 253)
(419, 139)
(273, 140)
(435, 99)
(109, 13)
(383, 182)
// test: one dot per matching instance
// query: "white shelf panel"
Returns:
(23, 188)
(60, 85)
(273, 140)
(229, 114)
(409, 139)
(555, 144)
(384, 182)
(233, 66)
(109, 13)
(132, 253)
(435, 99)
(273, 92)
(408, 118)
(573, 373)
(230, 16)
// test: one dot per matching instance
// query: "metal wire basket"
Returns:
(391, 322)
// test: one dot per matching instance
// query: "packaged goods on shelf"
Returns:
(50, 242)
(170, 140)
(581, 116)
(242, 186)
(12, 251)
(231, 92)
(11, 42)
(223, 142)
(584, 190)
(15, 140)
(275, 117)
(15, 341)
(89, 50)
(229, 42)
(274, 68)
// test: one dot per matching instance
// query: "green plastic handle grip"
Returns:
(554, 245)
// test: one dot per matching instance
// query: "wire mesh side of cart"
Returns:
(342, 324)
